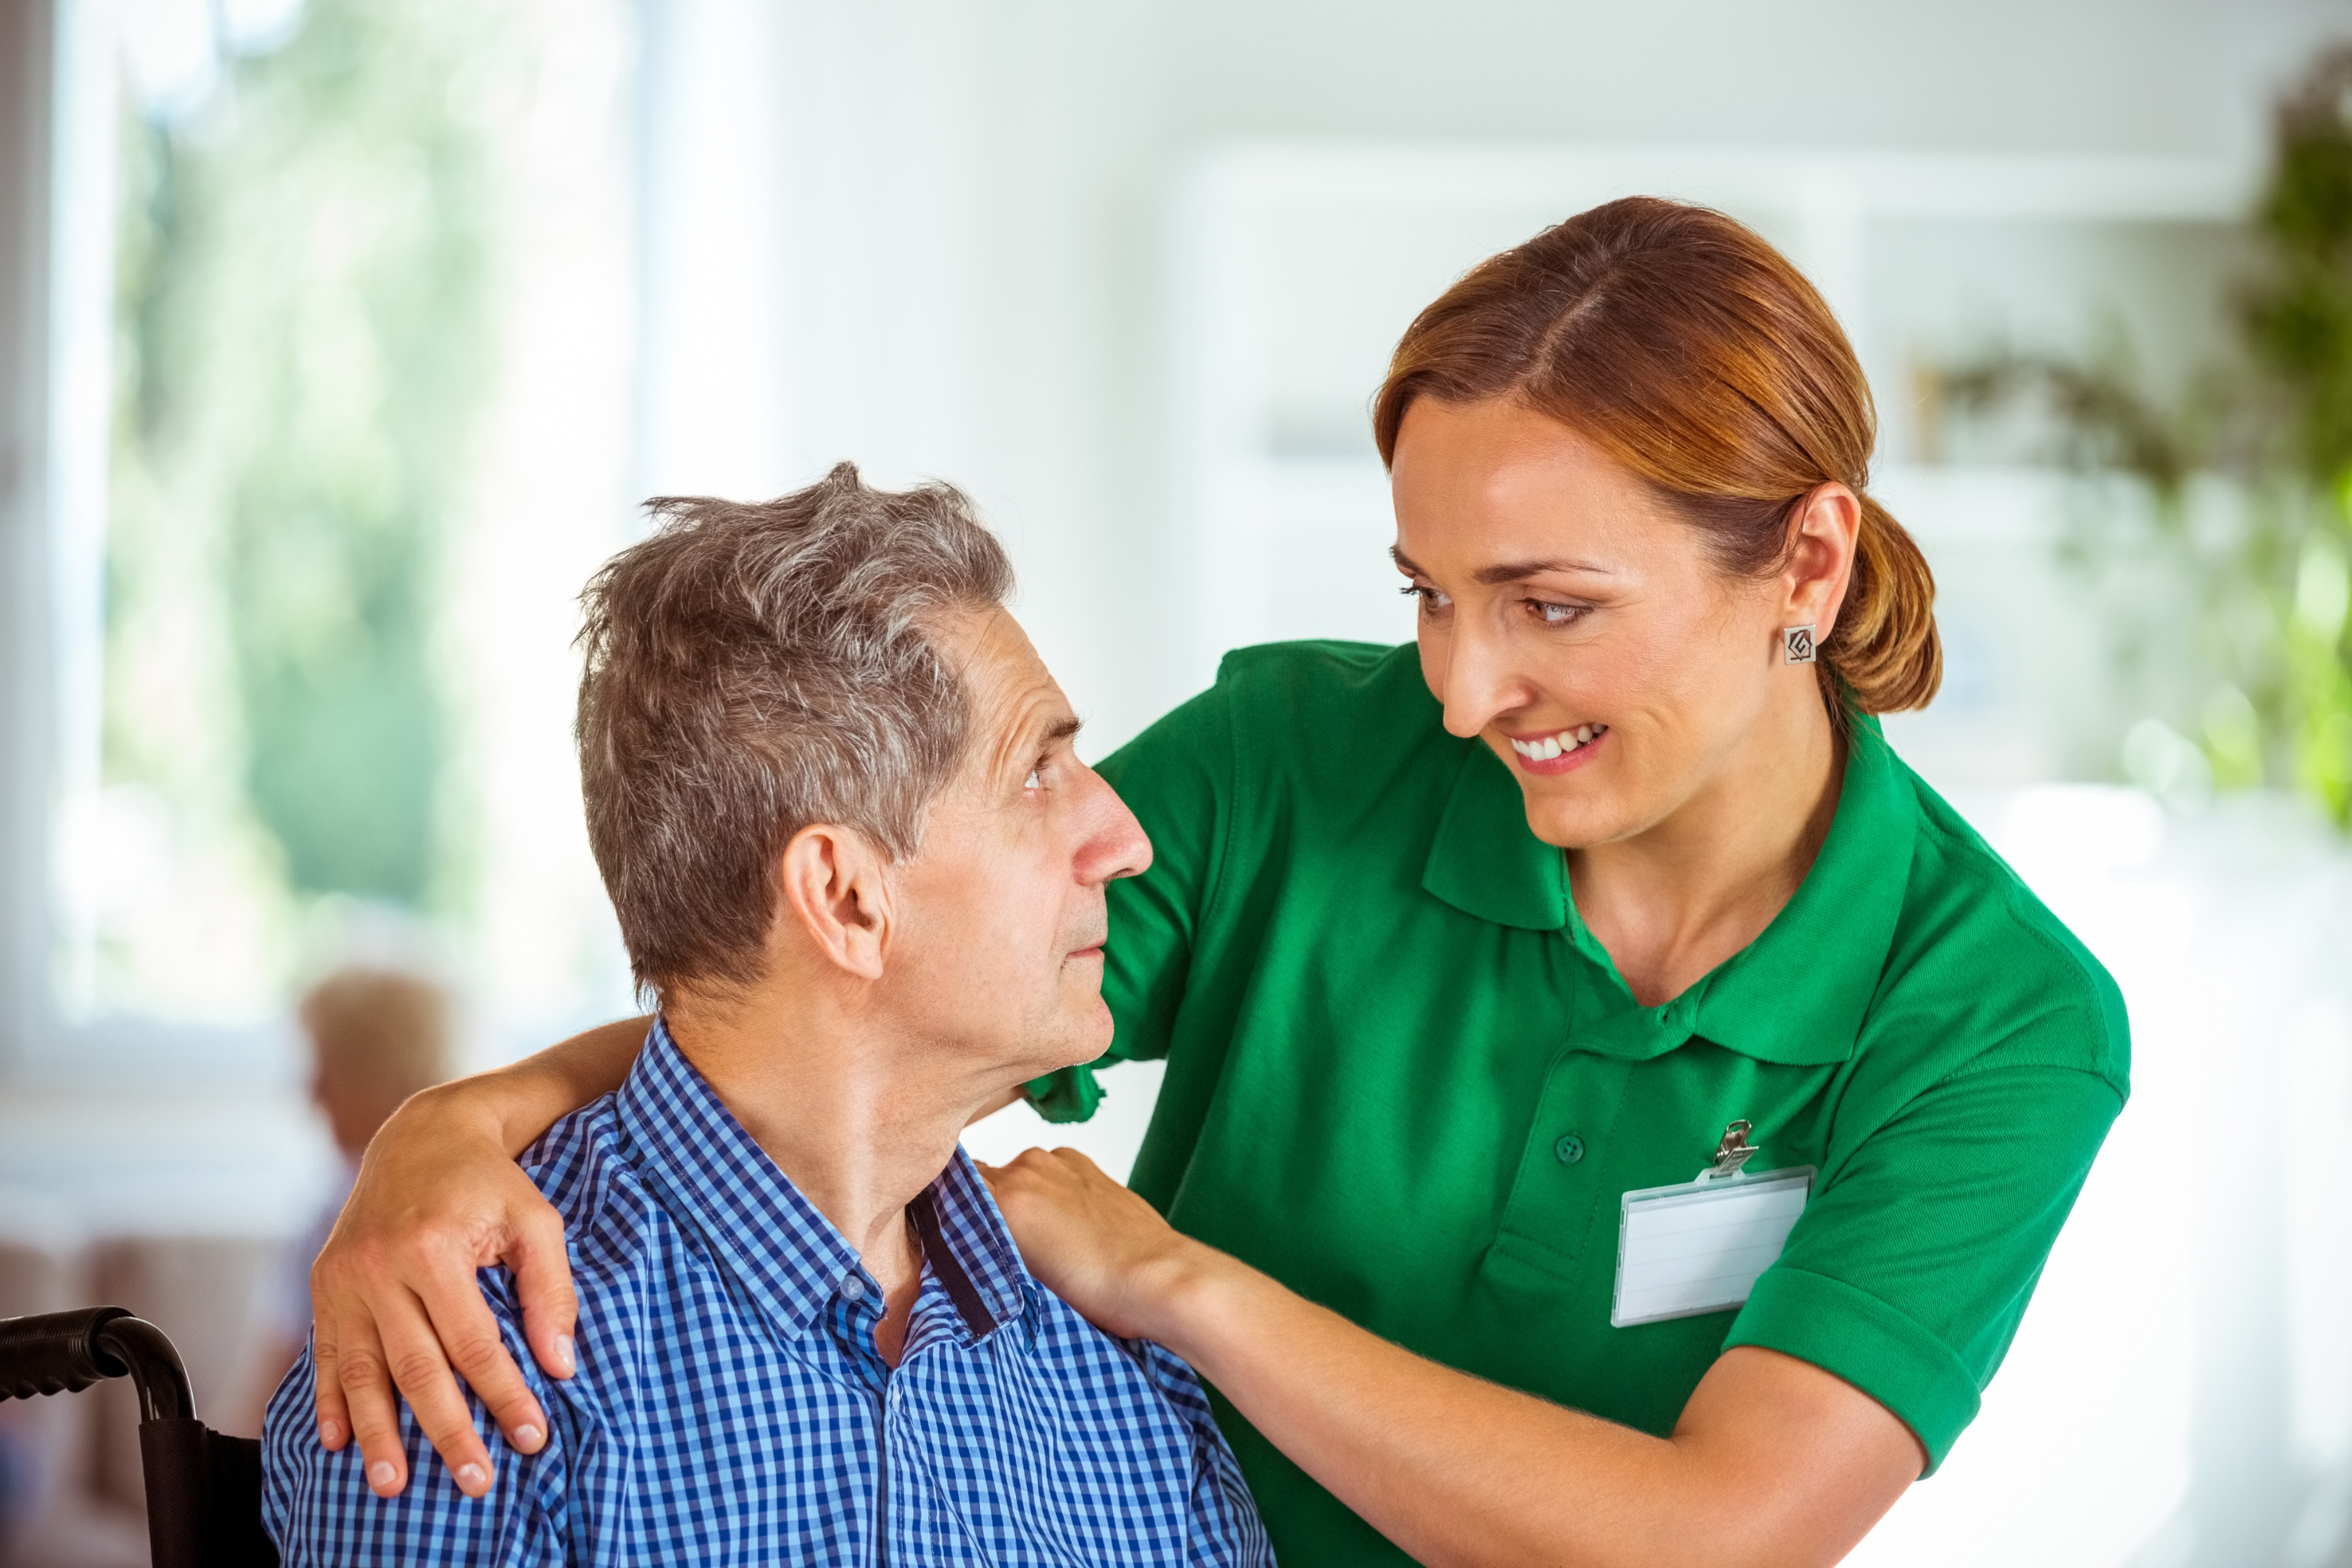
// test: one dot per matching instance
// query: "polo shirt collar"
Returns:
(718, 1184)
(1798, 992)
(1485, 861)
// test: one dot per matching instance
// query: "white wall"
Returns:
(969, 205)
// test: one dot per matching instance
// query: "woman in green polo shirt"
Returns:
(1450, 948)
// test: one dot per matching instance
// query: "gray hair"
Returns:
(754, 669)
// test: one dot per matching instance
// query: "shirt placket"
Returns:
(1562, 1206)
(856, 1308)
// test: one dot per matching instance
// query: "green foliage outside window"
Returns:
(2272, 432)
(301, 338)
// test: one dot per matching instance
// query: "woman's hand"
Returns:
(395, 1299)
(1097, 1244)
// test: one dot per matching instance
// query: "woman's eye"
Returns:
(1432, 600)
(1553, 615)
(1036, 779)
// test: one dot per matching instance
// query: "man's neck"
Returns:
(840, 1105)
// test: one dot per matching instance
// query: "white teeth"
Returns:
(1545, 748)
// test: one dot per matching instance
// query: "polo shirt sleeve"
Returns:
(1177, 778)
(1913, 1263)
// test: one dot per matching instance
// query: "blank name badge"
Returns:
(1699, 1247)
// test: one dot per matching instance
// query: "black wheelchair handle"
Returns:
(64, 1352)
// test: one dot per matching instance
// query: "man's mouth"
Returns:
(1559, 743)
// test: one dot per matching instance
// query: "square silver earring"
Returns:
(1796, 645)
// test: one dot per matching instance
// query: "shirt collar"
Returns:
(1796, 995)
(720, 1185)
(1484, 861)
(1799, 992)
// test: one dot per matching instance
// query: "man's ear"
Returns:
(833, 885)
(1820, 559)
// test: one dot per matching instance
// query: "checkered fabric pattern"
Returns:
(731, 1407)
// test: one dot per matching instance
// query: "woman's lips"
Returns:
(1551, 752)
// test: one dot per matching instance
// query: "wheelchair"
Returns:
(203, 1489)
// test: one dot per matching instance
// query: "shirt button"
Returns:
(1570, 1149)
(853, 1288)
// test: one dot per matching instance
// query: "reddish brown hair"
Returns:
(1692, 353)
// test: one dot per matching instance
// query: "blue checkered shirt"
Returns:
(731, 1407)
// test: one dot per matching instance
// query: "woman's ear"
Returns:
(834, 890)
(1820, 559)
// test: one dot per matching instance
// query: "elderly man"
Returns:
(832, 791)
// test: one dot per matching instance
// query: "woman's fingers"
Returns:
(1085, 1237)
(551, 1311)
(400, 1310)
(334, 1416)
(413, 1355)
(367, 1397)
(462, 1329)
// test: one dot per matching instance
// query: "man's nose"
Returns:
(1115, 845)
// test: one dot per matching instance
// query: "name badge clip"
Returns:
(1734, 1152)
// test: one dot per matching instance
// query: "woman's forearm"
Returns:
(522, 1100)
(1774, 1461)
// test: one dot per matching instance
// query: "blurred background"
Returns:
(339, 339)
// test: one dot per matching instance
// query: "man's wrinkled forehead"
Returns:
(1016, 704)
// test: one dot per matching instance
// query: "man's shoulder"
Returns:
(586, 1169)
(576, 1163)
(1072, 1351)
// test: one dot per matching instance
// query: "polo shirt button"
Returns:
(853, 1288)
(1570, 1149)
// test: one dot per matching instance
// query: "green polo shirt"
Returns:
(1404, 1078)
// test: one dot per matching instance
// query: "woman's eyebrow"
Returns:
(1517, 571)
(1509, 572)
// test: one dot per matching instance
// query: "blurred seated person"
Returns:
(831, 790)
(375, 1038)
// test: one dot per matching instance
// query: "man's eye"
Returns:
(1036, 779)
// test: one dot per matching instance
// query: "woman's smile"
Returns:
(1550, 752)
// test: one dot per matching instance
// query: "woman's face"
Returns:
(1580, 627)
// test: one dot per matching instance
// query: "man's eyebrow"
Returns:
(1034, 743)
(1509, 572)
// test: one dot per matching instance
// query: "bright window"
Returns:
(369, 417)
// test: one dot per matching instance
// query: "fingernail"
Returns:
(565, 1354)
(527, 1438)
(471, 1479)
(329, 1433)
(382, 1474)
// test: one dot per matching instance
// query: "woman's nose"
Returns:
(1478, 683)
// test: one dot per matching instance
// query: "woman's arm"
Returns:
(393, 1297)
(393, 1302)
(1774, 1460)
